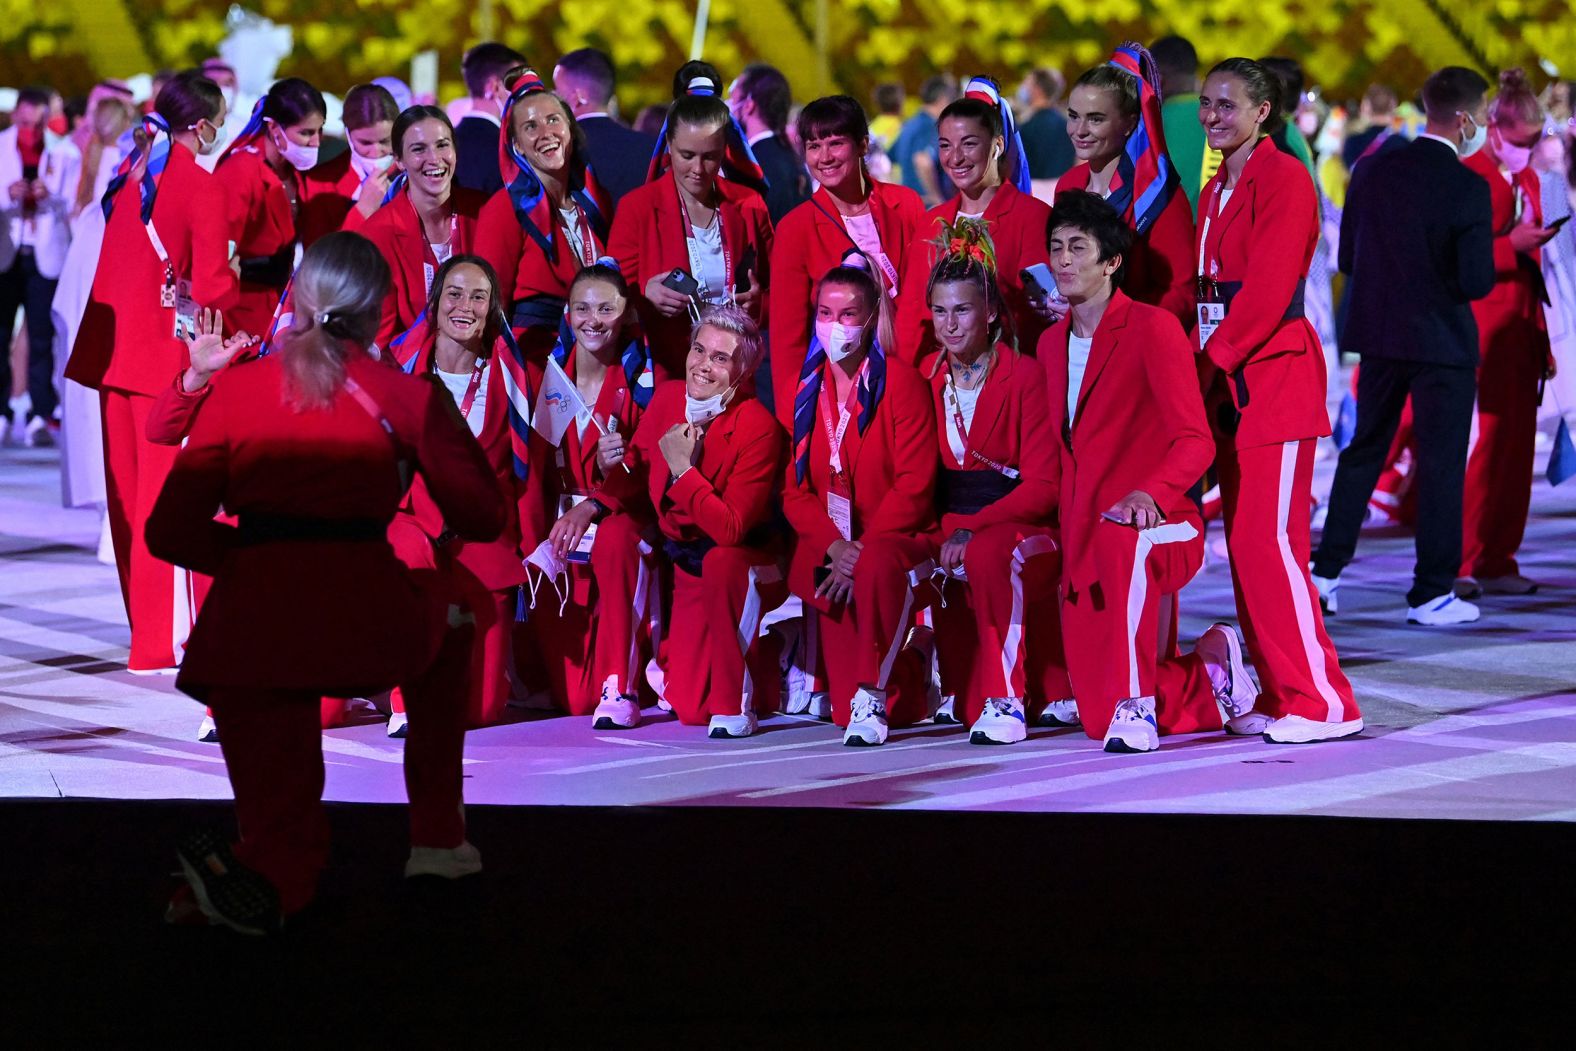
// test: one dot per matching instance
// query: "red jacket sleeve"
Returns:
(181, 529)
(624, 241)
(453, 464)
(174, 412)
(728, 515)
(1173, 260)
(1035, 498)
(499, 240)
(909, 505)
(214, 284)
(1284, 211)
(805, 510)
(1169, 364)
(912, 328)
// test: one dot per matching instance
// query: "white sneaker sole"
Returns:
(1122, 746)
(857, 739)
(1008, 735)
(1307, 731)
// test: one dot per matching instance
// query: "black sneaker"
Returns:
(229, 893)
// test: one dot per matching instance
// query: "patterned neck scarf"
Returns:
(158, 150)
(806, 400)
(532, 206)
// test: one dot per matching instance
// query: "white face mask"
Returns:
(207, 149)
(365, 168)
(839, 340)
(1514, 158)
(301, 158)
(229, 97)
(704, 410)
(550, 567)
(1476, 140)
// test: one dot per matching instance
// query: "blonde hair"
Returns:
(734, 319)
(338, 297)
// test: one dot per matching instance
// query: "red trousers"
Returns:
(1499, 466)
(595, 638)
(491, 653)
(713, 658)
(1394, 493)
(860, 644)
(159, 604)
(998, 634)
(1120, 631)
(273, 751)
(1264, 501)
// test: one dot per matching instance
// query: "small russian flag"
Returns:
(1562, 461)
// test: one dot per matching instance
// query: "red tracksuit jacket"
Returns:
(328, 200)
(396, 230)
(1516, 292)
(261, 225)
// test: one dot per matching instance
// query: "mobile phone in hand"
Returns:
(682, 283)
(1039, 281)
(1556, 224)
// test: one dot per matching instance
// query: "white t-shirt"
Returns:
(458, 383)
(966, 402)
(1077, 364)
(862, 228)
(571, 218)
(706, 261)
(442, 252)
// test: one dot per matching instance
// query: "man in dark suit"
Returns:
(760, 100)
(1417, 240)
(476, 135)
(619, 155)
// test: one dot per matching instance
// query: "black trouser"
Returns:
(23, 286)
(1442, 399)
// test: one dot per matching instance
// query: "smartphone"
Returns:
(1556, 224)
(1039, 281)
(682, 283)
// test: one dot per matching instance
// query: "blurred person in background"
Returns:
(1043, 126)
(1178, 64)
(1375, 126)
(1289, 137)
(483, 68)
(915, 152)
(345, 192)
(760, 100)
(888, 100)
(585, 80)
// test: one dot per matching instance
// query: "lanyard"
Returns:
(430, 257)
(690, 243)
(580, 235)
(1210, 215)
(471, 388)
(834, 436)
(882, 260)
(958, 433)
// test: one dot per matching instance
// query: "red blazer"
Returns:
(726, 495)
(261, 224)
(396, 230)
(811, 240)
(327, 617)
(1140, 424)
(496, 563)
(524, 271)
(1012, 426)
(647, 239)
(328, 200)
(127, 340)
(1162, 266)
(578, 472)
(1264, 238)
(894, 477)
(1517, 284)
(1017, 227)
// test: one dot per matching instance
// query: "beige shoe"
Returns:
(1514, 584)
(445, 862)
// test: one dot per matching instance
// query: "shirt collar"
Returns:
(1440, 138)
(760, 136)
(598, 113)
(484, 114)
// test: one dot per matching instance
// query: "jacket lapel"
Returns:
(993, 399)
(1240, 195)
(1106, 337)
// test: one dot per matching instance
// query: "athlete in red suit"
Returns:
(996, 624)
(849, 210)
(263, 175)
(549, 220)
(687, 219)
(1104, 111)
(428, 220)
(704, 463)
(126, 348)
(1133, 437)
(972, 144)
(345, 192)
(593, 649)
(1259, 222)
(311, 448)
(860, 495)
(1514, 341)
(462, 320)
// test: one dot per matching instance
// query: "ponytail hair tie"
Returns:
(324, 318)
(701, 86)
(607, 262)
(855, 259)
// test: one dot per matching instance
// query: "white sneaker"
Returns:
(725, 726)
(658, 681)
(946, 712)
(399, 725)
(1059, 713)
(819, 705)
(1329, 591)
(207, 731)
(1133, 727)
(446, 862)
(1294, 729)
(1442, 612)
(1222, 647)
(1002, 722)
(1249, 725)
(867, 723)
(615, 711)
(37, 434)
(796, 690)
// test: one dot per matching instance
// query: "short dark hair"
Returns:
(593, 67)
(484, 62)
(833, 115)
(936, 89)
(413, 116)
(1261, 85)
(692, 69)
(888, 97)
(292, 100)
(34, 96)
(1381, 97)
(1289, 72)
(1452, 90)
(1093, 215)
(1175, 54)
(368, 104)
(767, 87)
